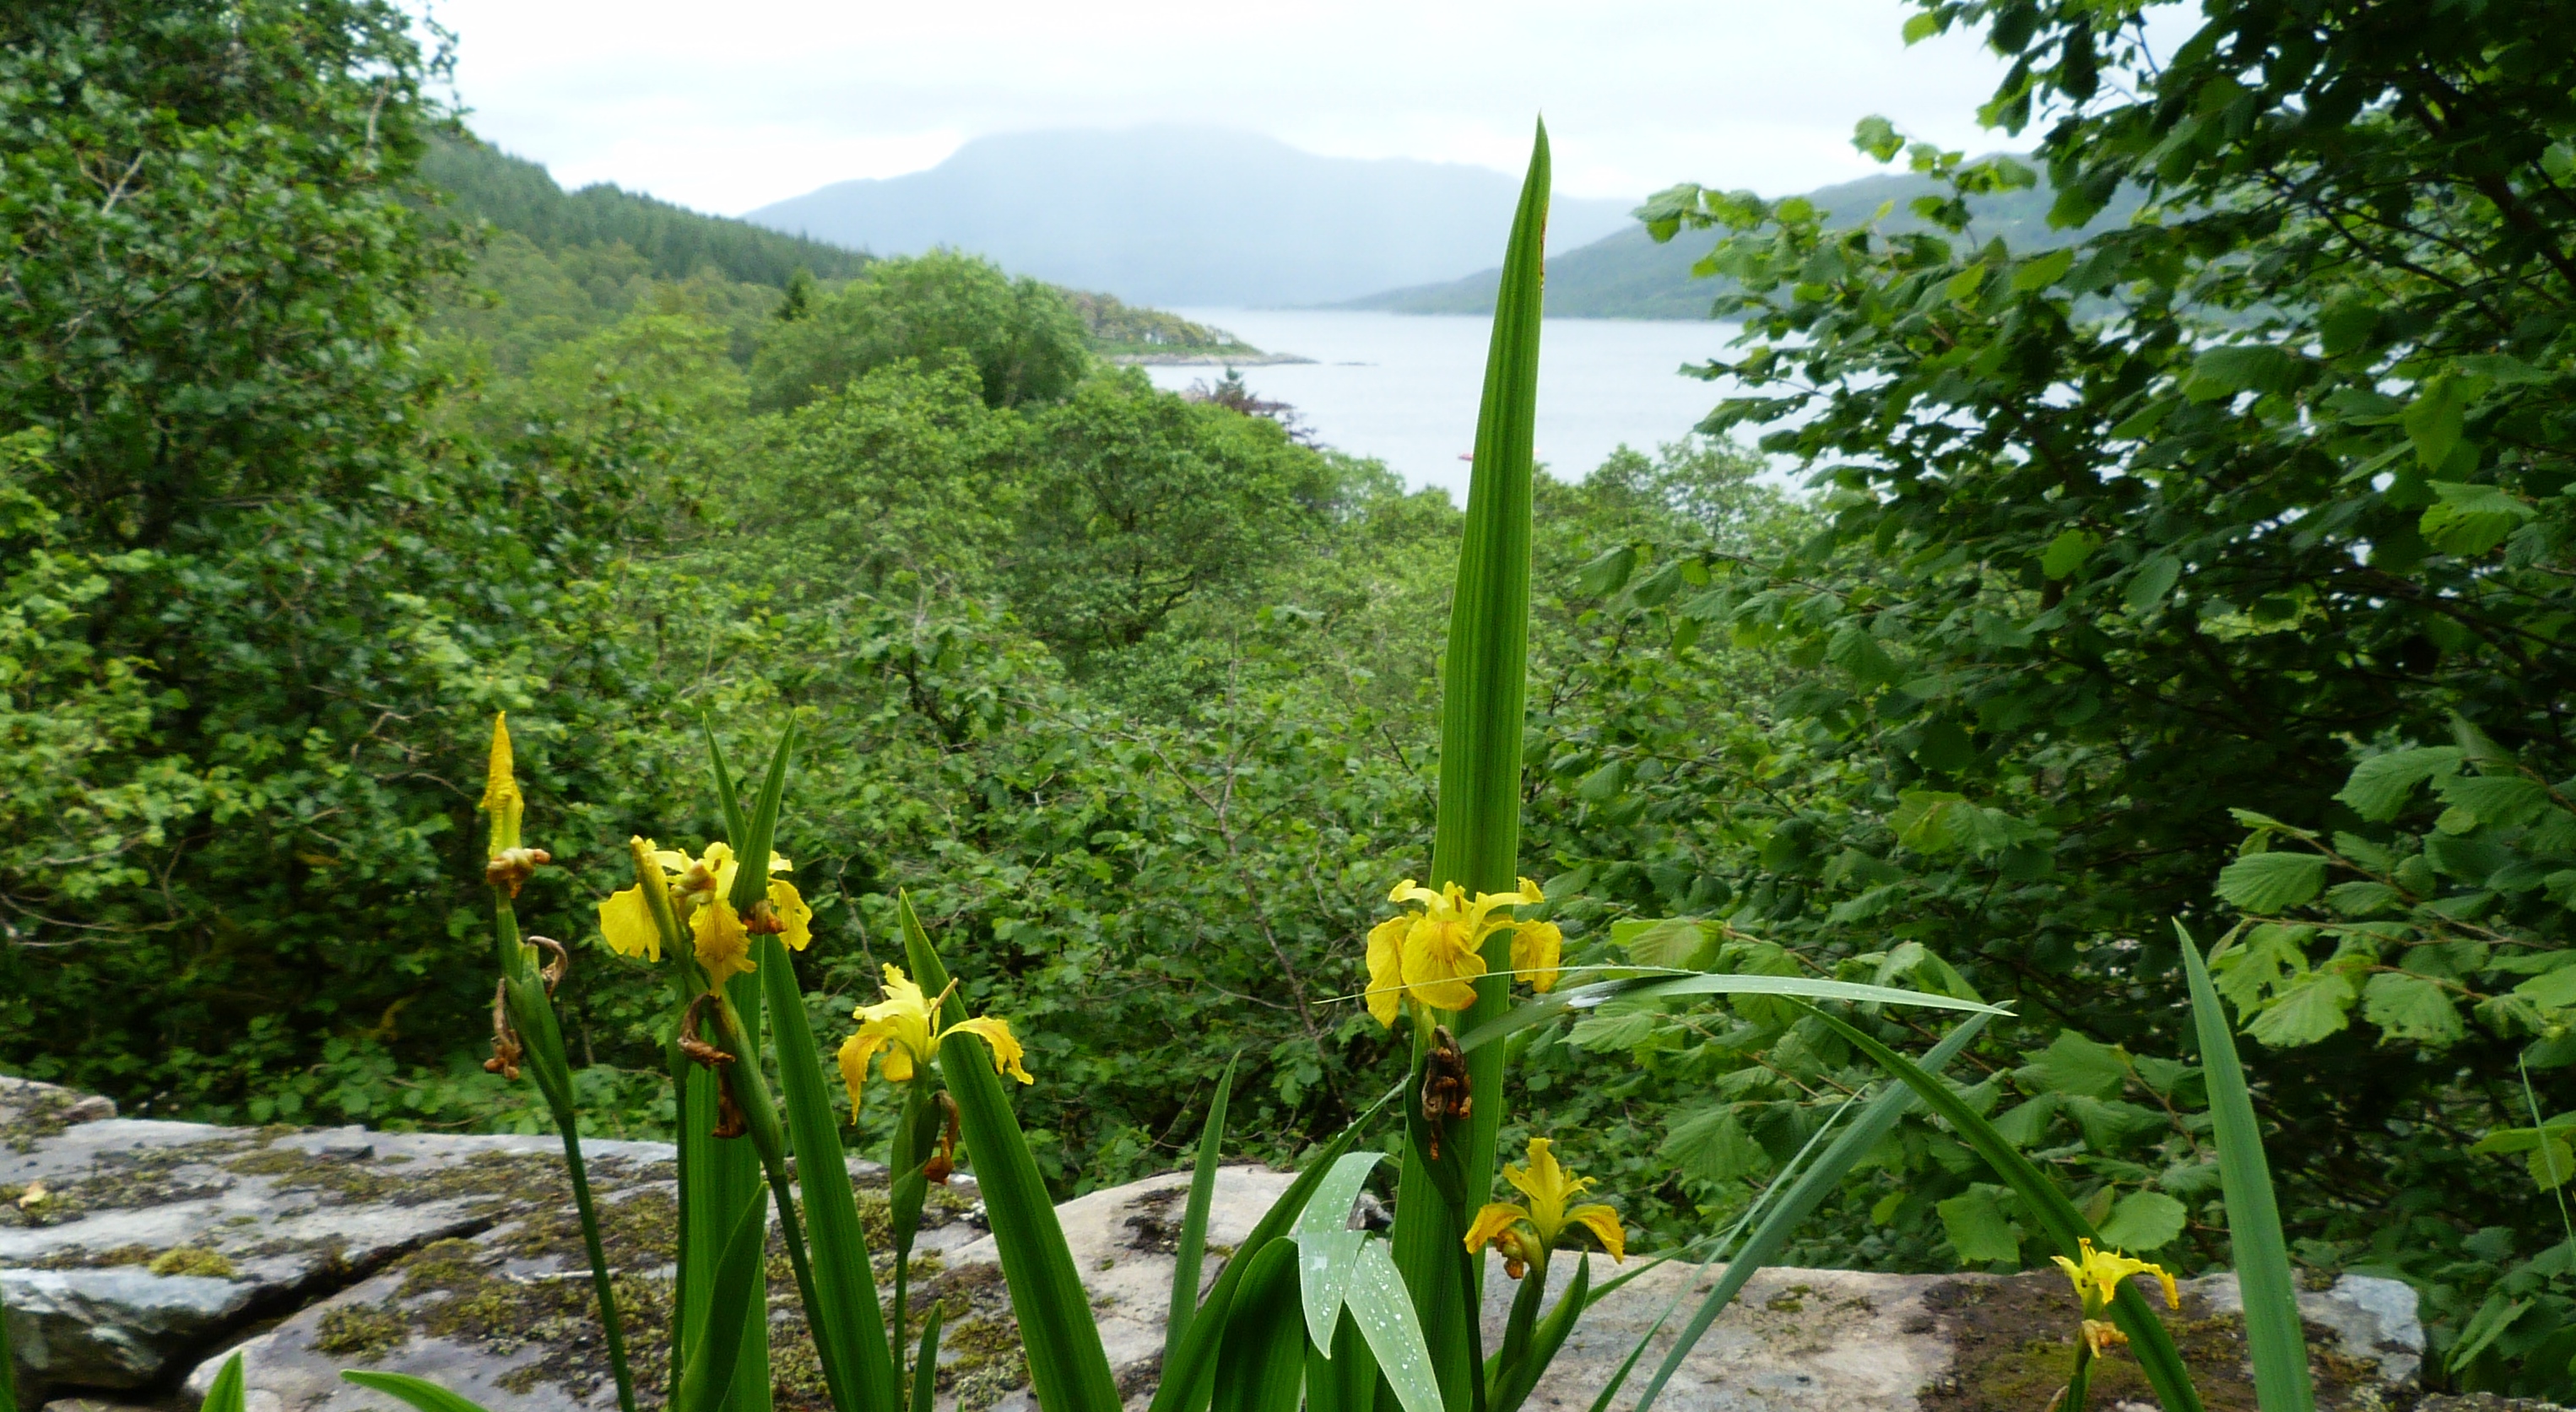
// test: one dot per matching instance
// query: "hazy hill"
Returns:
(520, 196)
(1626, 275)
(1173, 215)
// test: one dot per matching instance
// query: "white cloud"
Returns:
(729, 107)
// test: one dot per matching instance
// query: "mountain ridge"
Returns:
(1186, 216)
(1627, 275)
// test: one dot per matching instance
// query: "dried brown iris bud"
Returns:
(512, 867)
(729, 1117)
(1445, 1093)
(553, 973)
(506, 1049)
(943, 1163)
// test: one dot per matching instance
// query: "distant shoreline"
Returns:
(1200, 358)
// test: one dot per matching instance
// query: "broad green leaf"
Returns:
(2548, 1156)
(2043, 271)
(1713, 1146)
(2471, 519)
(2412, 1007)
(1607, 574)
(2551, 990)
(2496, 801)
(1977, 1229)
(2435, 420)
(2313, 1007)
(419, 1392)
(1677, 942)
(1856, 651)
(2360, 899)
(2272, 882)
(2154, 579)
(2073, 1063)
(2379, 786)
(2144, 1220)
(2224, 372)
(2067, 553)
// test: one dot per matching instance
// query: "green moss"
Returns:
(2013, 1343)
(194, 1260)
(365, 1334)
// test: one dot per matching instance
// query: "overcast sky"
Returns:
(732, 106)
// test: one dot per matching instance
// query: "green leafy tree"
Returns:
(1142, 501)
(1024, 342)
(2134, 533)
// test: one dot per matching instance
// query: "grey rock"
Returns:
(130, 1247)
(112, 1328)
(458, 1259)
(2373, 1319)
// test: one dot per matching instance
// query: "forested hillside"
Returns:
(2213, 569)
(1630, 275)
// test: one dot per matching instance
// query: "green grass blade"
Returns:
(1187, 1368)
(1658, 987)
(1068, 1369)
(419, 1392)
(2273, 1334)
(848, 1328)
(737, 824)
(1519, 1370)
(1476, 842)
(1261, 1362)
(1346, 1381)
(925, 1366)
(720, 1179)
(1381, 1306)
(1804, 1196)
(2065, 1225)
(533, 1014)
(226, 1394)
(1194, 1219)
(752, 844)
(713, 1376)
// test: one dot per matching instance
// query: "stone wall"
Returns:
(135, 1255)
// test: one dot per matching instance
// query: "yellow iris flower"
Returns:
(905, 1025)
(2098, 1275)
(1548, 1186)
(1435, 955)
(700, 891)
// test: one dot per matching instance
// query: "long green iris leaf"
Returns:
(2273, 1334)
(1476, 842)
